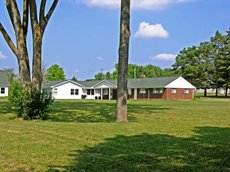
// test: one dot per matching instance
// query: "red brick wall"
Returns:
(168, 95)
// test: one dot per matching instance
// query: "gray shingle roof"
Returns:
(47, 84)
(4, 82)
(150, 82)
(132, 83)
(89, 83)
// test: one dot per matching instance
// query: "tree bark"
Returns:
(37, 60)
(216, 91)
(205, 92)
(122, 114)
(20, 29)
(23, 63)
(38, 28)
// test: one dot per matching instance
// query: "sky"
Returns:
(83, 35)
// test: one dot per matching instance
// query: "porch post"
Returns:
(109, 94)
(135, 93)
(148, 93)
(101, 94)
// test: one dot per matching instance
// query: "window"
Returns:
(90, 92)
(186, 91)
(174, 90)
(106, 92)
(55, 91)
(2, 90)
(142, 91)
(74, 92)
(157, 90)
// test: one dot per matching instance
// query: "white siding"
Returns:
(6, 92)
(180, 83)
(63, 91)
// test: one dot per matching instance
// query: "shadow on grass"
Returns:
(207, 150)
(95, 111)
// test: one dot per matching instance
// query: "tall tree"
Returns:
(187, 64)
(122, 114)
(218, 43)
(38, 25)
(54, 73)
(227, 62)
(99, 76)
(207, 65)
(205, 68)
(19, 48)
(31, 103)
(74, 78)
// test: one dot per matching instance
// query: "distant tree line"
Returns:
(137, 71)
(206, 65)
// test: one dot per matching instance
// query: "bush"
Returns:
(33, 105)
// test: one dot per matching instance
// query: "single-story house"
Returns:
(4, 84)
(167, 88)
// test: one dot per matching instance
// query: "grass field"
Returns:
(82, 136)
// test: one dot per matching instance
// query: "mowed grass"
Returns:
(81, 135)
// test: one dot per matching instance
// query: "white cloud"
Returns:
(103, 3)
(2, 56)
(100, 58)
(136, 4)
(76, 70)
(146, 30)
(165, 57)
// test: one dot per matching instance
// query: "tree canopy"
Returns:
(208, 64)
(54, 73)
(137, 71)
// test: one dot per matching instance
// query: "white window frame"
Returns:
(142, 91)
(74, 92)
(158, 90)
(186, 91)
(55, 91)
(90, 92)
(174, 91)
(105, 92)
(3, 90)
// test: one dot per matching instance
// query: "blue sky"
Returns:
(82, 35)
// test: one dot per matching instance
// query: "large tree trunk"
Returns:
(38, 27)
(23, 59)
(122, 114)
(37, 60)
(24, 68)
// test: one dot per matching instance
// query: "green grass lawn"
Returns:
(81, 135)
